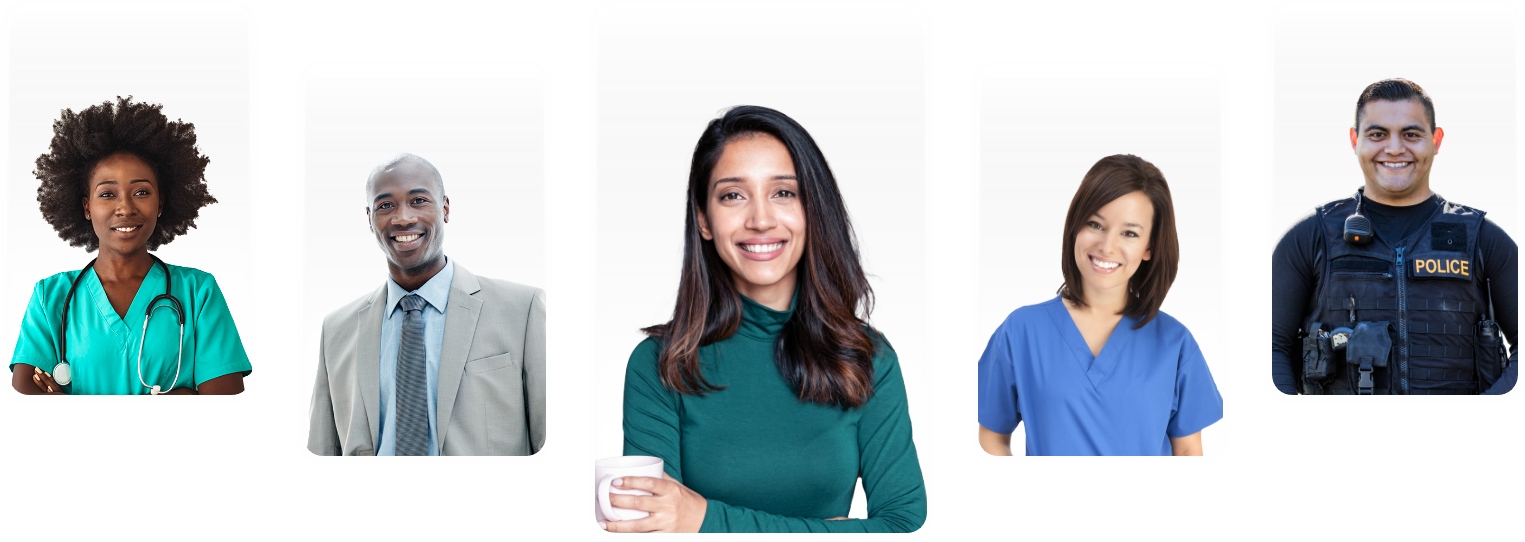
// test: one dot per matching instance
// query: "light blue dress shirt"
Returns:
(437, 292)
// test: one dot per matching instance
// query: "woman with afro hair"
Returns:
(122, 179)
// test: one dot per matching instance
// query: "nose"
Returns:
(761, 217)
(1393, 146)
(125, 207)
(405, 216)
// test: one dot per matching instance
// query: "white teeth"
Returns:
(1394, 165)
(125, 229)
(406, 238)
(1104, 264)
(762, 248)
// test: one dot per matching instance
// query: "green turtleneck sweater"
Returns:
(766, 461)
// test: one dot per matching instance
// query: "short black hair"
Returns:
(1395, 90)
(82, 140)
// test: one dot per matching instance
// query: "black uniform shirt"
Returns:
(1294, 275)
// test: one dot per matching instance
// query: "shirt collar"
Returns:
(436, 291)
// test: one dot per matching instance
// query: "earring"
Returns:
(87, 216)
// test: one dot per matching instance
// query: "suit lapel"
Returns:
(369, 360)
(463, 309)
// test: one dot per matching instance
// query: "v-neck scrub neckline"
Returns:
(1096, 367)
(1145, 386)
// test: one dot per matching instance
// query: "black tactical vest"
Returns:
(1429, 290)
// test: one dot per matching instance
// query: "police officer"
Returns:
(1394, 290)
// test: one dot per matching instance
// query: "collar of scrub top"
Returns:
(436, 290)
(1096, 368)
(63, 345)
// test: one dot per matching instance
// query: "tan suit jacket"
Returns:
(491, 395)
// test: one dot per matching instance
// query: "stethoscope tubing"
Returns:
(63, 343)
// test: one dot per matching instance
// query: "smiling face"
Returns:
(407, 213)
(1112, 244)
(754, 215)
(122, 203)
(1395, 147)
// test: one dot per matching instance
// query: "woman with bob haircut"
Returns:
(1099, 370)
(123, 179)
(767, 395)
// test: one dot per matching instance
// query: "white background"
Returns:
(51, 67)
(1465, 65)
(1277, 466)
(479, 125)
(654, 103)
(1033, 159)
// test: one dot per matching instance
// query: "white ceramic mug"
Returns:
(606, 470)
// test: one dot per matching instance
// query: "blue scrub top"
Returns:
(103, 347)
(1147, 385)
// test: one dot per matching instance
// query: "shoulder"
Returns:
(493, 290)
(58, 283)
(194, 279)
(643, 360)
(512, 292)
(1030, 315)
(1457, 209)
(348, 316)
(1169, 333)
(1307, 227)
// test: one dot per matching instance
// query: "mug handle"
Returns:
(603, 498)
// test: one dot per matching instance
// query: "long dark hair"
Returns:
(825, 350)
(1111, 178)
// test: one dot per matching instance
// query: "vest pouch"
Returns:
(1368, 350)
(1318, 360)
(1488, 355)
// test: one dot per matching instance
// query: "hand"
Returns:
(674, 508)
(45, 383)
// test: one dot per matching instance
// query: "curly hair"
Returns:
(82, 140)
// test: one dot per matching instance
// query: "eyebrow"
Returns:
(380, 197)
(134, 181)
(1098, 215)
(1413, 127)
(718, 182)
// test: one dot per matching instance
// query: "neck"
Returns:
(116, 266)
(1416, 196)
(776, 296)
(1105, 302)
(411, 279)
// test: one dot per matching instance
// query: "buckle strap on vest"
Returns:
(1433, 328)
(1447, 305)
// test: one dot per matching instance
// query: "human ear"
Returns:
(368, 222)
(447, 209)
(85, 202)
(704, 225)
(1440, 134)
(1352, 138)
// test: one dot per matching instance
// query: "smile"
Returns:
(1395, 165)
(762, 248)
(1104, 266)
(406, 238)
(126, 229)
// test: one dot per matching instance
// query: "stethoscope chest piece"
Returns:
(61, 374)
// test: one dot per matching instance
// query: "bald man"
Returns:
(437, 361)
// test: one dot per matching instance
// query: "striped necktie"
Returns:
(412, 381)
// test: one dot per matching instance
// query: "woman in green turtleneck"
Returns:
(767, 396)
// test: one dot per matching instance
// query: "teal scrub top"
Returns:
(103, 347)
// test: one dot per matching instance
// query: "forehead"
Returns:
(121, 166)
(753, 155)
(1133, 207)
(402, 177)
(1393, 114)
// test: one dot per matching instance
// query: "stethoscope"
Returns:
(61, 372)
